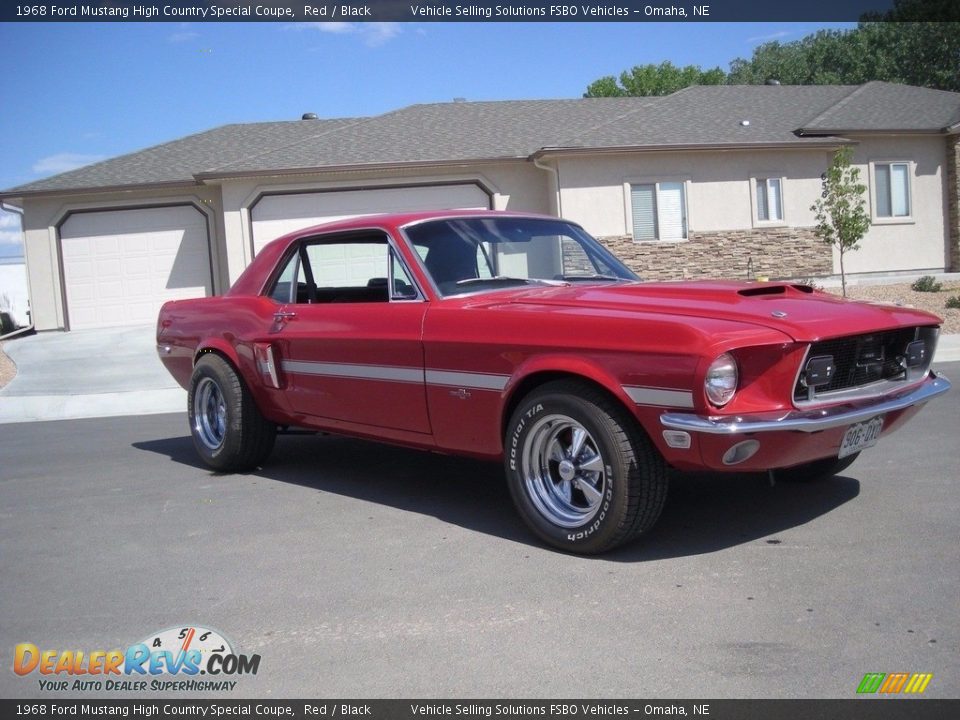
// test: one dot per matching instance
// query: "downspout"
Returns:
(28, 328)
(555, 174)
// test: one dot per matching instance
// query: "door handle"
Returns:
(281, 315)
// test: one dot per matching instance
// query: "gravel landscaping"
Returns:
(7, 369)
(905, 296)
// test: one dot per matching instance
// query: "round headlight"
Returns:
(721, 381)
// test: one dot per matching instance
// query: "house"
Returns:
(709, 181)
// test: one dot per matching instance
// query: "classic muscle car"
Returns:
(500, 335)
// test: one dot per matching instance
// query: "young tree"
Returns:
(841, 214)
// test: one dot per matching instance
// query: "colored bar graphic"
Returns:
(918, 683)
(871, 682)
(893, 683)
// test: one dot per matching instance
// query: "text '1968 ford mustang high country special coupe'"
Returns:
(500, 335)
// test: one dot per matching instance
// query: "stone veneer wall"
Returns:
(775, 252)
(953, 200)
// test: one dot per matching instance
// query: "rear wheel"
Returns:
(228, 430)
(817, 470)
(582, 474)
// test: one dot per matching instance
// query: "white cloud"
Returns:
(11, 239)
(372, 33)
(770, 37)
(182, 37)
(62, 162)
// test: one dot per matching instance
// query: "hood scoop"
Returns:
(769, 289)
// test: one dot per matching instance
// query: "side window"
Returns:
(352, 269)
(892, 188)
(769, 200)
(403, 288)
(659, 211)
(282, 289)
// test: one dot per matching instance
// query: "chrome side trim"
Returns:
(659, 396)
(808, 421)
(390, 373)
(476, 381)
(358, 372)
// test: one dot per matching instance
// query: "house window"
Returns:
(659, 211)
(892, 181)
(769, 200)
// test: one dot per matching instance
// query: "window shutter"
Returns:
(673, 220)
(643, 206)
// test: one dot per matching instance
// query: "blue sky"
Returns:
(81, 92)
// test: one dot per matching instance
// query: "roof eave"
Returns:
(15, 194)
(353, 167)
(816, 132)
(826, 142)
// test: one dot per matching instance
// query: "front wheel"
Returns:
(582, 474)
(228, 430)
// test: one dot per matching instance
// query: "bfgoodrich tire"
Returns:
(228, 431)
(582, 474)
(817, 470)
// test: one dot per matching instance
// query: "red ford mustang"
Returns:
(499, 335)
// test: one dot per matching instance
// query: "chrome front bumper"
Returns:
(808, 421)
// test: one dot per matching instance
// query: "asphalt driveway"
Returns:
(358, 570)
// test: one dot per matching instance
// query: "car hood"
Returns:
(804, 314)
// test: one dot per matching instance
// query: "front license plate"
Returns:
(861, 436)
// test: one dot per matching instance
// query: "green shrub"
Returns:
(928, 283)
(953, 302)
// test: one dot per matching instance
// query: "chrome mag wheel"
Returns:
(563, 470)
(209, 413)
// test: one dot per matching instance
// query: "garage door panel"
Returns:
(120, 266)
(276, 215)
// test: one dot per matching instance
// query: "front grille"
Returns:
(861, 360)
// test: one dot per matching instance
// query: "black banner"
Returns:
(854, 709)
(444, 11)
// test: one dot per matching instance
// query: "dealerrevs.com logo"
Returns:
(169, 660)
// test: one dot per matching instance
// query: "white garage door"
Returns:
(276, 215)
(120, 266)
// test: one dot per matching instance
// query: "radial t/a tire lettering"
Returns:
(582, 473)
(228, 431)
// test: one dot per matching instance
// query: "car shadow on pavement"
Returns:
(704, 512)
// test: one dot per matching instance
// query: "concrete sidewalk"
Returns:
(102, 373)
(88, 373)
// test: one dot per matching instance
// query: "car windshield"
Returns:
(475, 254)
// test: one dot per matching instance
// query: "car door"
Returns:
(349, 333)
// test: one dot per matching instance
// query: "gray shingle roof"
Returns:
(882, 106)
(708, 116)
(446, 132)
(179, 160)
(712, 115)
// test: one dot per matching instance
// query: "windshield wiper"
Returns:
(576, 278)
(496, 278)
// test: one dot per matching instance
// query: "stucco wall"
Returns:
(953, 199)
(719, 188)
(918, 243)
(721, 205)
